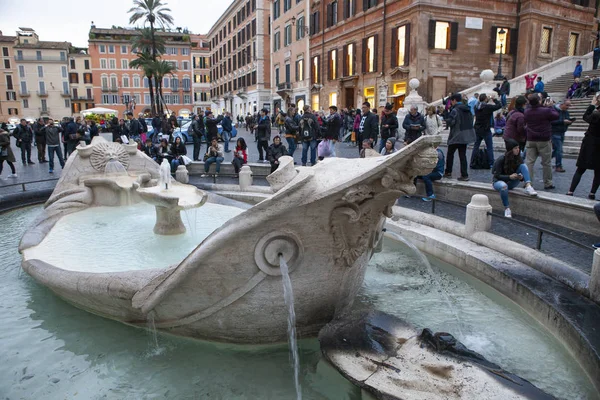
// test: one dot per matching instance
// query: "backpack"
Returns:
(190, 130)
(480, 160)
(306, 128)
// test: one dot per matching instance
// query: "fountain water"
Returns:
(114, 167)
(165, 175)
(288, 295)
(435, 277)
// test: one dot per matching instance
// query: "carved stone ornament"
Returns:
(103, 152)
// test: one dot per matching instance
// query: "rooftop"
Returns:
(7, 38)
(44, 45)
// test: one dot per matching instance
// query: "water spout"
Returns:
(165, 175)
(435, 277)
(288, 296)
(114, 167)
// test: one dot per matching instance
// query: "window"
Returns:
(68, 104)
(332, 98)
(111, 49)
(175, 98)
(19, 54)
(370, 54)
(104, 80)
(113, 82)
(112, 63)
(125, 81)
(370, 95)
(315, 102)
(103, 63)
(299, 70)
(276, 11)
(73, 77)
(573, 41)
(146, 98)
(287, 4)
(300, 28)
(187, 99)
(166, 82)
(72, 63)
(124, 63)
(44, 105)
(102, 49)
(5, 51)
(42, 87)
(89, 94)
(315, 76)
(63, 56)
(332, 13)
(175, 83)
(22, 71)
(546, 40)
(25, 103)
(350, 59)
(38, 55)
(332, 65)
(13, 111)
(443, 35)
(11, 96)
(287, 35)
(500, 40)
(9, 82)
(123, 49)
(369, 4)
(185, 65)
(87, 77)
(7, 64)
(86, 64)
(349, 8)
(276, 41)
(276, 75)
(63, 71)
(185, 51)
(401, 46)
(65, 87)
(314, 23)
(40, 71)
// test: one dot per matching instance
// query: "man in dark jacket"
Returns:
(368, 129)
(40, 139)
(291, 130)
(389, 125)
(483, 121)
(142, 122)
(52, 138)
(227, 126)
(71, 136)
(559, 128)
(504, 91)
(275, 152)
(197, 137)
(263, 134)
(134, 126)
(309, 132)
(334, 123)
(460, 122)
(413, 124)
(157, 126)
(212, 131)
(538, 126)
(24, 135)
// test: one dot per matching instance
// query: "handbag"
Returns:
(186, 160)
(4, 152)
(324, 149)
(124, 139)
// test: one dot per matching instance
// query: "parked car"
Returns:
(11, 128)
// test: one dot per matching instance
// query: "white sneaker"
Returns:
(530, 190)
(12, 176)
(507, 213)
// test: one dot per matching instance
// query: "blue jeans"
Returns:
(174, 164)
(291, 146)
(504, 187)
(211, 160)
(226, 136)
(58, 151)
(313, 152)
(197, 145)
(557, 151)
(428, 181)
(489, 145)
(503, 100)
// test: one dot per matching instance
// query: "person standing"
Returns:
(460, 122)
(529, 81)
(227, 126)
(539, 86)
(473, 102)
(52, 136)
(263, 132)
(483, 121)
(196, 137)
(504, 91)
(414, 125)
(291, 130)
(596, 57)
(332, 132)
(559, 128)
(578, 70)
(515, 123)
(389, 125)
(93, 130)
(143, 127)
(6, 153)
(40, 139)
(590, 149)
(72, 136)
(368, 128)
(212, 131)
(538, 127)
(433, 122)
(24, 135)
(309, 131)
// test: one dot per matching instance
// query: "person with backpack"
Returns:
(227, 126)
(483, 118)
(460, 122)
(263, 134)
(291, 131)
(309, 132)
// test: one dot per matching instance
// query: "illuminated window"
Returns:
(315, 102)
(333, 99)
(573, 40)
(349, 60)
(442, 35)
(399, 88)
(401, 49)
(370, 95)
(370, 54)
(333, 65)
(315, 70)
(299, 70)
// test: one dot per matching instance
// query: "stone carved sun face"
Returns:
(105, 152)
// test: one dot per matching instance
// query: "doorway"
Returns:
(349, 98)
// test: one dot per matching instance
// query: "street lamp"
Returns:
(303, 27)
(501, 38)
(129, 102)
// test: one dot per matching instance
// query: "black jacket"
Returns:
(93, 130)
(498, 172)
(590, 146)
(178, 151)
(264, 129)
(370, 127)
(334, 123)
(275, 152)
(211, 129)
(143, 124)
(149, 151)
(23, 133)
(291, 127)
(196, 130)
(414, 125)
(390, 131)
(312, 127)
(134, 127)
(460, 122)
(483, 117)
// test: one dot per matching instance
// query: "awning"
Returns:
(393, 96)
(99, 110)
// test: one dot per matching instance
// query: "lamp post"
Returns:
(499, 75)
(303, 27)
(129, 102)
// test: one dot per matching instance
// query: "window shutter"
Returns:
(317, 22)
(353, 8)
(493, 39)
(453, 35)
(514, 41)
(354, 59)
(329, 70)
(329, 15)
(337, 58)
(364, 55)
(431, 34)
(375, 52)
(346, 8)
(345, 60)
(407, 45)
(365, 5)
(394, 57)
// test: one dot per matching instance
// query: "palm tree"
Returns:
(145, 63)
(153, 11)
(161, 69)
(143, 42)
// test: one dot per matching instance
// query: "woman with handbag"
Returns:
(6, 153)
(240, 156)
(178, 150)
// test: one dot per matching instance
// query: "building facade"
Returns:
(290, 44)
(240, 79)
(118, 86)
(42, 76)
(9, 103)
(368, 50)
(81, 83)
(201, 72)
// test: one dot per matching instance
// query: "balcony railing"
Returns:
(81, 98)
(40, 59)
(284, 86)
(65, 94)
(24, 93)
(110, 89)
(187, 89)
(43, 110)
(42, 93)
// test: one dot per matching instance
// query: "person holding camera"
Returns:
(559, 128)
(538, 126)
(508, 172)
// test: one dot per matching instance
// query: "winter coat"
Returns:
(178, 151)
(505, 88)
(291, 127)
(537, 123)
(304, 123)
(334, 123)
(226, 124)
(143, 124)
(433, 125)
(134, 127)
(264, 129)
(242, 154)
(483, 117)
(590, 146)
(558, 126)
(274, 152)
(392, 121)
(370, 127)
(211, 129)
(498, 171)
(23, 133)
(515, 126)
(460, 122)
(499, 123)
(5, 144)
(414, 125)
(52, 135)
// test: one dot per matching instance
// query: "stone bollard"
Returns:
(477, 219)
(595, 278)
(182, 175)
(245, 178)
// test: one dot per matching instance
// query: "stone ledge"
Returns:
(569, 316)
(13, 201)
(197, 168)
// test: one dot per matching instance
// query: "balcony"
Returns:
(42, 93)
(24, 93)
(187, 89)
(65, 94)
(28, 58)
(284, 89)
(43, 111)
(81, 98)
(110, 89)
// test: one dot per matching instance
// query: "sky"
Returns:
(67, 20)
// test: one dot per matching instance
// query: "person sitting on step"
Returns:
(435, 175)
